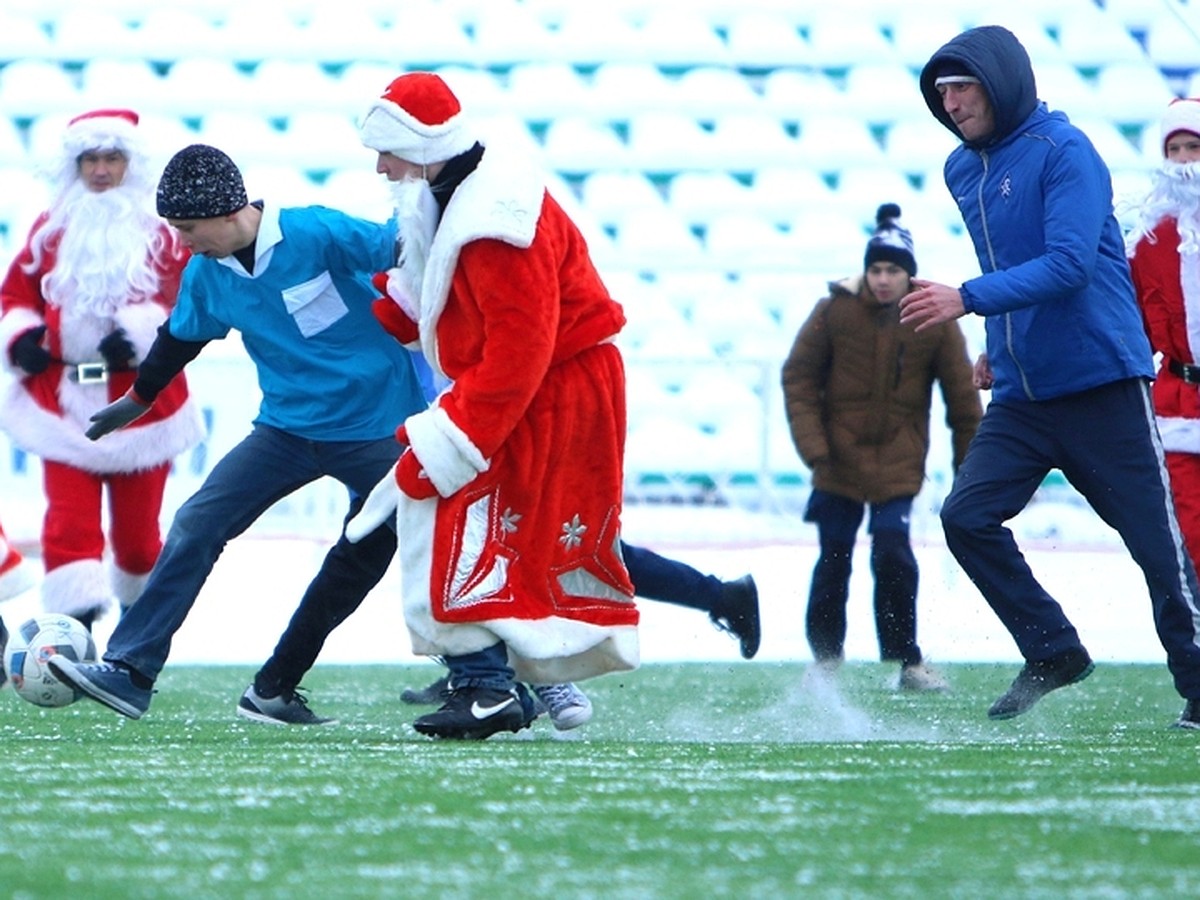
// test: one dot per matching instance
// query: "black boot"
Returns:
(737, 613)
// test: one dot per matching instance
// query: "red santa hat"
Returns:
(1183, 114)
(101, 129)
(418, 119)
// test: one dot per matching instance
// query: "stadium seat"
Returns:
(759, 40)
(883, 93)
(831, 142)
(1090, 39)
(738, 241)
(620, 90)
(595, 35)
(839, 42)
(477, 89)
(12, 144)
(358, 191)
(666, 142)
(611, 197)
(657, 239)
(281, 186)
(1116, 151)
(699, 197)
(778, 193)
(285, 87)
(1172, 46)
(425, 35)
(506, 34)
(914, 145)
(91, 31)
(578, 145)
(1062, 86)
(745, 142)
(34, 87)
(544, 91)
(168, 32)
(197, 85)
(247, 139)
(678, 37)
(323, 141)
(131, 83)
(708, 92)
(23, 37)
(1133, 92)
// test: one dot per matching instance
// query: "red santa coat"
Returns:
(47, 414)
(1168, 291)
(525, 447)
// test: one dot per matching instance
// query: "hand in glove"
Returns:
(412, 478)
(117, 350)
(28, 353)
(116, 415)
(379, 506)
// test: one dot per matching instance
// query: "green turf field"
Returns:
(693, 780)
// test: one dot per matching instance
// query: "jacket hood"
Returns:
(994, 56)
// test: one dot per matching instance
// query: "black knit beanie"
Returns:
(200, 182)
(890, 242)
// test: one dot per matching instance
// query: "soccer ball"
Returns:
(32, 644)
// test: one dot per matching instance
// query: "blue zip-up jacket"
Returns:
(1061, 316)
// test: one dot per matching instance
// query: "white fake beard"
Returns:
(105, 256)
(1176, 194)
(417, 213)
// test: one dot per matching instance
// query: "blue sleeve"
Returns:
(357, 246)
(193, 318)
(1053, 237)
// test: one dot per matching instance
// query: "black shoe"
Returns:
(288, 708)
(1037, 679)
(475, 713)
(1190, 717)
(3, 645)
(738, 614)
(431, 694)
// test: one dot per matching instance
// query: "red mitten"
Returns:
(412, 478)
(394, 321)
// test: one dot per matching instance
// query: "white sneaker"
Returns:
(922, 677)
(569, 707)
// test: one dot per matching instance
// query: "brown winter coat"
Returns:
(858, 386)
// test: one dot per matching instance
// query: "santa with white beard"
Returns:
(1164, 259)
(79, 308)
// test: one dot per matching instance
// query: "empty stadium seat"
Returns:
(612, 196)
(575, 144)
(765, 40)
(34, 87)
(544, 91)
(1133, 92)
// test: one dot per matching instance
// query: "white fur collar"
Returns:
(500, 200)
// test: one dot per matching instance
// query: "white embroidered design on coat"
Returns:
(573, 533)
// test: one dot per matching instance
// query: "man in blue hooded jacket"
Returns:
(1069, 363)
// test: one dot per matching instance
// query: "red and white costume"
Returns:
(15, 578)
(47, 414)
(514, 536)
(1165, 265)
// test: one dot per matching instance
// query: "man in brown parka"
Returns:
(857, 387)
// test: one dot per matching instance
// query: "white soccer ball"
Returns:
(32, 644)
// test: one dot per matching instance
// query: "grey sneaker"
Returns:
(104, 683)
(568, 706)
(1037, 679)
(289, 708)
(923, 678)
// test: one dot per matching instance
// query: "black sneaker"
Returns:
(1190, 717)
(474, 714)
(289, 708)
(430, 695)
(738, 614)
(1037, 679)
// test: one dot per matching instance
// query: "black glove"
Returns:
(116, 415)
(117, 351)
(28, 353)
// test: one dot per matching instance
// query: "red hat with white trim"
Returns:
(102, 129)
(1183, 114)
(418, 119)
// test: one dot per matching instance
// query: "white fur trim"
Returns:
(447, 455)
(16, 580)
(501, 200)
(101, 133)
(548, 651)
(13, 324)
(141, 322)
(1181, 115)
(76, 588)
(399, 293)
(126, 586)
(389, 128)
(61, 438)
(1179, 435)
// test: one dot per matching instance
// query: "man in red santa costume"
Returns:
(79, 307)
(509, 500)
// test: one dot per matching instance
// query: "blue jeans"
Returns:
(265, 467)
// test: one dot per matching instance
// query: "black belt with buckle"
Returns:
(1189, 373)
(94, 373)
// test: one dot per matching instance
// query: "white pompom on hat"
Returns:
(417, 119)
(102, 129)
(1183, 114)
